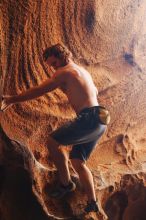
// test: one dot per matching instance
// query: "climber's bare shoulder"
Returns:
(71, 72)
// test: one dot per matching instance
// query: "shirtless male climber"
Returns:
(83, 132)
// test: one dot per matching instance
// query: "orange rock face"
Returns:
(108, 39)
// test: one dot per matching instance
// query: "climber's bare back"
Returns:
(78, 86)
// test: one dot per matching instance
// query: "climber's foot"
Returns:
(91, 207)
(61, 190)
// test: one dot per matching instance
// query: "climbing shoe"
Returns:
(91, 207)
(61, 190)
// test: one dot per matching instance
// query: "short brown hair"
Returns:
(59, 51)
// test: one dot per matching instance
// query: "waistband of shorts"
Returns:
(91, 109)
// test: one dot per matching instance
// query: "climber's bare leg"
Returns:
(61, 161)
(86, 178)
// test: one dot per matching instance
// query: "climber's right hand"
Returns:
(7, 101)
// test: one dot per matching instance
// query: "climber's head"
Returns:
(57, 55)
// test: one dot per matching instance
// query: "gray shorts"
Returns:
(83, 133)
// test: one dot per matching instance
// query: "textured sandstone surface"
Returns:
(107, 38)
